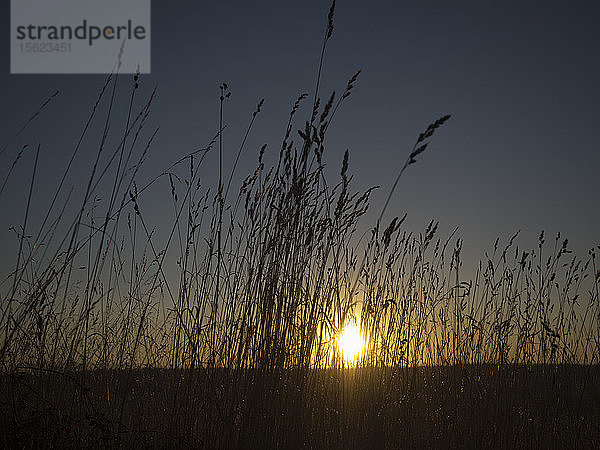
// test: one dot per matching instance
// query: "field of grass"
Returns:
(220, 329)
(447, 407)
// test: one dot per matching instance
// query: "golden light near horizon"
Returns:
(351, 343)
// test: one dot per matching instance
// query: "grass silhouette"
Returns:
(107, 339)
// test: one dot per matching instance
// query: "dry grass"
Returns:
(219, 331)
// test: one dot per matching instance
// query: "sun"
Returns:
(351, 343)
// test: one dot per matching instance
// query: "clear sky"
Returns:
(521, 152)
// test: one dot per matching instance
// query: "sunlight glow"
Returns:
(351, 343)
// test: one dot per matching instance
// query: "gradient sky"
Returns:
(521, 151)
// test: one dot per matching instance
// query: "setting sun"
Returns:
(351, 342)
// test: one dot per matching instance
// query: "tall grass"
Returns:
(220, 329)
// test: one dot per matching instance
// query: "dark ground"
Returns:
(473, 407)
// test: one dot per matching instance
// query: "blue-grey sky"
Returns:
(520, 78)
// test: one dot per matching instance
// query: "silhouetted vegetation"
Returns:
(220, 329)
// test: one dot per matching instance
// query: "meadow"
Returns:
(222, 328)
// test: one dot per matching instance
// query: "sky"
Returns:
(520, 78)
